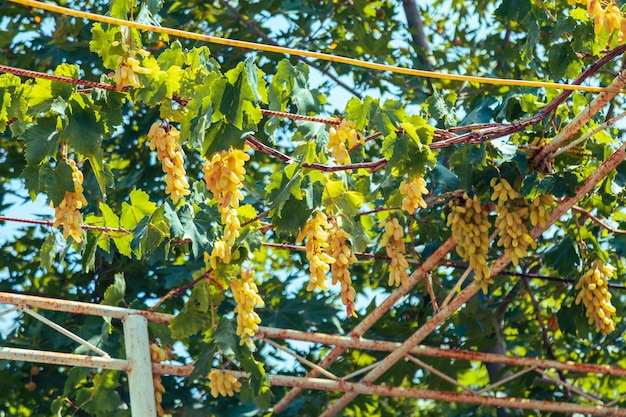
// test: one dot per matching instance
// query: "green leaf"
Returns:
(63, 89)
(197, 227)
(47, 252)
(57, 182)
(285, 80)
(441, 107)
(149, 233)
(140, 206)
(114, 294)
(255, 81)
(445, 178)
(283, 188)
(236, 100)
(42, 140)
(85, 128)
(563, 61)
(119, 9)
(202, 365)
(514, 10)
(198, 115)
(563, 257)
(409, 153)
(566, 318)
(101, 43)
(194, 318)
(223, 135)
(158, 85)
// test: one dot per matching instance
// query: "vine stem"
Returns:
(543, 157)
(598, 221)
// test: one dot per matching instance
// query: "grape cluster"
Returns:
(341, 251)
(224, 175)
(341, 138)
(470, 230)
(392, 240)
(221, 251)
(539, 214)
(413, 189)
(315, 231)
(511, 220)
(223, 383)
(67, 213)
(128, 66)
(172, 157)
(246, 296)
(594, 294)
(609, 18)
(514, 214)
(158, 354)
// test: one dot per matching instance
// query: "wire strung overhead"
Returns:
(311, 54)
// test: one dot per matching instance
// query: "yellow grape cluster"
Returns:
(67, 213)
(223, 383)
(315, 231)
(539, 214)
(128, 66)
(514, 214)
(158, 354)
(172, 157)
(342, 137)
(413, 189)
(341, 251)
(609, 18)
(594, 294)
(224, 175)
(470, 230)
(246, 295)
(393, 242)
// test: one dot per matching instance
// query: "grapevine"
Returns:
(246, 297)
(341, 251)
(470, 230)
(594, 294)
(67, 213)
(392, 240)
(412, 190)
(341, 138)
(316, 235)
(172, 156)
(223, 383)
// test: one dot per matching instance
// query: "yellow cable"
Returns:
(310, 54)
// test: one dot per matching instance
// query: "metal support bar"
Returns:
(58, 358)
(140, 381)
(76, 307)
(422, 350)
(66, 332)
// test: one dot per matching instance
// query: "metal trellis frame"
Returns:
(140, 369)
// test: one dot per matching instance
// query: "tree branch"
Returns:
(416, 27)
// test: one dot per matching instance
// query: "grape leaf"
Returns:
(42, 140)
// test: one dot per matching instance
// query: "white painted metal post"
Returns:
(140, 383)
